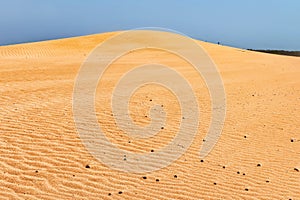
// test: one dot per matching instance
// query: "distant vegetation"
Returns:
(279, 52)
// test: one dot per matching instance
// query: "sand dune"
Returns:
(42, 157)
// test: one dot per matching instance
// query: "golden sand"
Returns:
(42, 157)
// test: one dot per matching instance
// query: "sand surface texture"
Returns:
(42, 157)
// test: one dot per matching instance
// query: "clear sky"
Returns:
(258, 24)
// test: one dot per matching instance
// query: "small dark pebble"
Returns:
(162, 105)
(201, 160)
(267, 181)
(238, 172)
(162, 127)
(258, 165)
(246, 189)
(292, 140)
(120, 192)
(144, 177)
(215, 183)
(109, 194)
(224, 167)
(150, 99)
(245, 136)
(129, 141)
(157, 180)
(152, 150)
(175, 176)
(36, 171)
(296, 169)
(244, 174)
(87, 166)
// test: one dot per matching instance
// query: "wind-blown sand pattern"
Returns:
(42, 157)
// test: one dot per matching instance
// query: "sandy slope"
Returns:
(42, 157)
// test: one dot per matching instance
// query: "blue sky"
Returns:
(258, 24)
